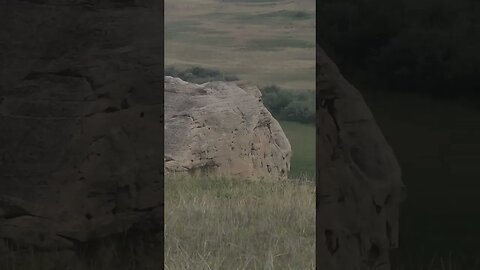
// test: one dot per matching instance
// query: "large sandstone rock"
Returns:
(222, 128)
(359, 179)
(81, 122)
(77, 163)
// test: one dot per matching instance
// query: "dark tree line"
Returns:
(429, 46)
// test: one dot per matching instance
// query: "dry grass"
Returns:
(267, 42)
(218, 223)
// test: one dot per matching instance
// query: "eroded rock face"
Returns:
(76, 163)
(360, 186)
(80, 125)
(222, 128)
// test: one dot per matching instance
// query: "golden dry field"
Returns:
(266, 42)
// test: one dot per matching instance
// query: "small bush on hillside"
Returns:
(288, 105)
(199, 74)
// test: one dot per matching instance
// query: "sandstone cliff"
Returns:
(359, 179)
(81, 122)
(222, 128)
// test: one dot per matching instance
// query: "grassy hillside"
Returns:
(217, 223)
(302, 139)
(266, 42)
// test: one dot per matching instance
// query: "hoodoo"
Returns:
(359, 179)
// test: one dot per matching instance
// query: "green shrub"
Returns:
(289, 105)
(199, 74)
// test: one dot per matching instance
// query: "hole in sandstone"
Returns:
(378, 208)
(88, 216)
(125, 104)
(142, 114)
(32, 76)
(374, 253)
(110, 109)
(389, 232)
(332, 245)
(387, 199)
(114, 211)
(103, 95)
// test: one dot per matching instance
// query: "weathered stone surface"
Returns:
(81, 122)
(85, 161)
(360, 186)
(223, 128)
